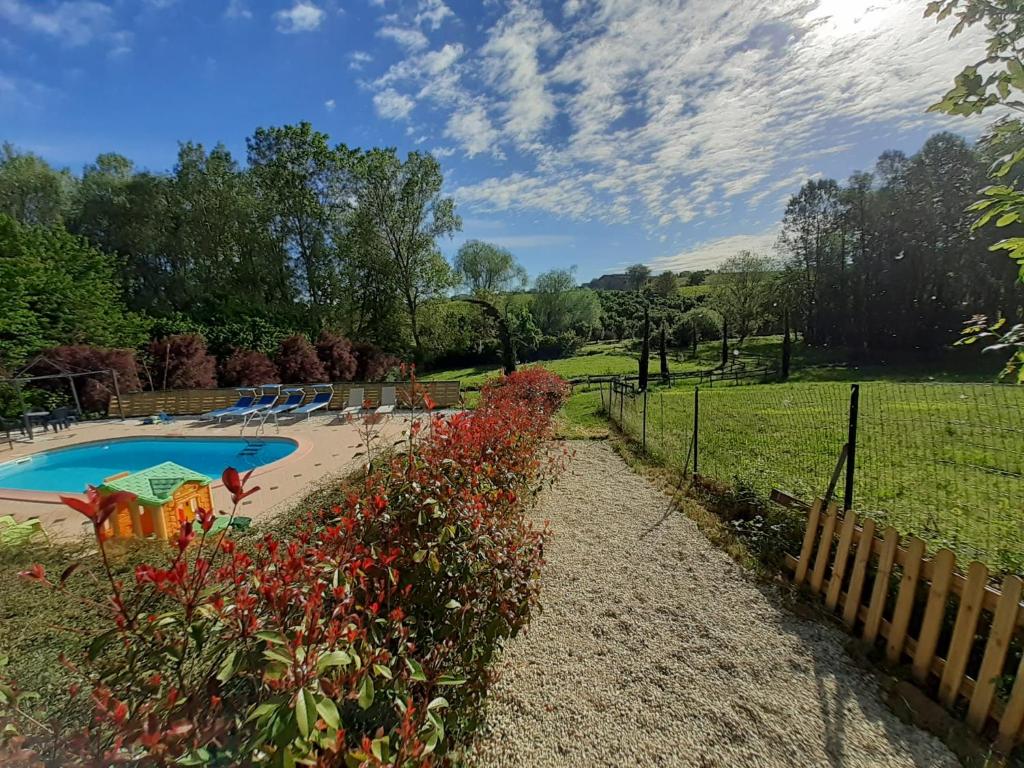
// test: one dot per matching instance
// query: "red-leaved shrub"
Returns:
(94, 391)
(372, 364)
(335, 352)
(364, 639)
(297, 362)
(246, 368)
(182, 362)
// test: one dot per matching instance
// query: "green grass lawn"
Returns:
(942, 461)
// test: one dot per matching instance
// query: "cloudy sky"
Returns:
(594, 133)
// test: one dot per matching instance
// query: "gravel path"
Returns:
(655, 649)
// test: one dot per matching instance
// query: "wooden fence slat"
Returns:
(891, 540)
(995, 652)
(839, 565)
(905, 599)
(807, 549)
(935, 610)
(824, 549)
(857, 578)
(963, 633)
(1013, 714)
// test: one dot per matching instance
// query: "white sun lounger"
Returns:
(388, 401)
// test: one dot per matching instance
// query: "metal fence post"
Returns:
(696, 425)
(622, 398)
(645, 423)
(851, 446)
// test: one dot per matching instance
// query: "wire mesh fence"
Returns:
(944, 462)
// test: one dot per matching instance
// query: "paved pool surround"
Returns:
(325, 449)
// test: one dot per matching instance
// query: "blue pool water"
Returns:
(70, 470)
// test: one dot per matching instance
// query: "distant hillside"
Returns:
(609, 283)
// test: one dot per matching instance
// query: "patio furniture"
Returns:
(223, 521)
(59, 418)
(322, 398)
(295, 397)
(246, 397)
(388, 401)
(266, 401)
(355, 402)
(8, 426)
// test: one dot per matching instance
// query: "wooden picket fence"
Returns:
(178, 402)
(854, 568)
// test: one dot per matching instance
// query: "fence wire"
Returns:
(941, 461)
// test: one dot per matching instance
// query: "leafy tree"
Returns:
(297, 362)
(309, 186)
(665, 285)
(637, 276)
(406, 213)
(32, 192)
(645, 350)
(663, 355)
(743, 290)
(558, 305)
(337, 356)
(247, 368)
(182, 362)
(487, 270)
(55, 289)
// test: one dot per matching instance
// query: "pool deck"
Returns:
(326, 451)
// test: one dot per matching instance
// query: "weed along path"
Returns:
(655, 649)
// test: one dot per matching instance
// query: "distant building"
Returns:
(619, 282)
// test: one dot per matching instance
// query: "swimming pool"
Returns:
(70, 470)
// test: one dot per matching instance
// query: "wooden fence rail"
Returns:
(179, 402)
(890, 591)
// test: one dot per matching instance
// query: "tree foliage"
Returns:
(487, 270)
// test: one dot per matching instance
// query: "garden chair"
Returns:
(223, 521)
(244, 401)
(15, 534)
(388, 401)
(59, 418)
(323, 397)
(355, 402)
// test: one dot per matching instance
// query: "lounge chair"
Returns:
(388, 401)
(266, 401)
(244, 401)
(293, 401)
(322, 399)
(355, 402)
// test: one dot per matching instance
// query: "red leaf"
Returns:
(79, 505)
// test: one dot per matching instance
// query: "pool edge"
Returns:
(303, 446)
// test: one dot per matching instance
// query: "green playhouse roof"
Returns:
(155, 486)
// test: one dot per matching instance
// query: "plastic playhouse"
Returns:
(166, 496)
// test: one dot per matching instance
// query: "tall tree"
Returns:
(407, 213)
(637, 276)
(487, 269)
(31, 191)
(665, 285)
(743, 290)
(559, 306)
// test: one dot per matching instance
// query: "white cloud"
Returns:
(304, 16)
(74, 22)
(441, 152)
(710, 254)
(237, 9)
(329, 105)
(359, 59)
(662, 112)
(393, 105)
(473, 130)
(411, 39)
(433, 13)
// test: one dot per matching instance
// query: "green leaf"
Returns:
(439, 702)
(366, 692)
(419, 556)
(227, 669)
(417, 670)
(435, 564)
(98, 643)
(329, 712)
(450, 680)
(383, 671)
(274, 638)
(334, 659)
(305, 712)
(381, 748)
(453, 603)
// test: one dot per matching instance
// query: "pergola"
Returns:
(21, 379)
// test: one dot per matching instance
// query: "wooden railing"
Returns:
(890, 591)
(176, 402)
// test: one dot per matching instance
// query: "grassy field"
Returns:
(942, 461)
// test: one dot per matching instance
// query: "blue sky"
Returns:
(594, 133)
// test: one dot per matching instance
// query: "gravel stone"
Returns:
(655, 649)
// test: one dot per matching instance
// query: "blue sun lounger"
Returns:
(266, 400)
(293, 401)
(244, 401)
(321, 400)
